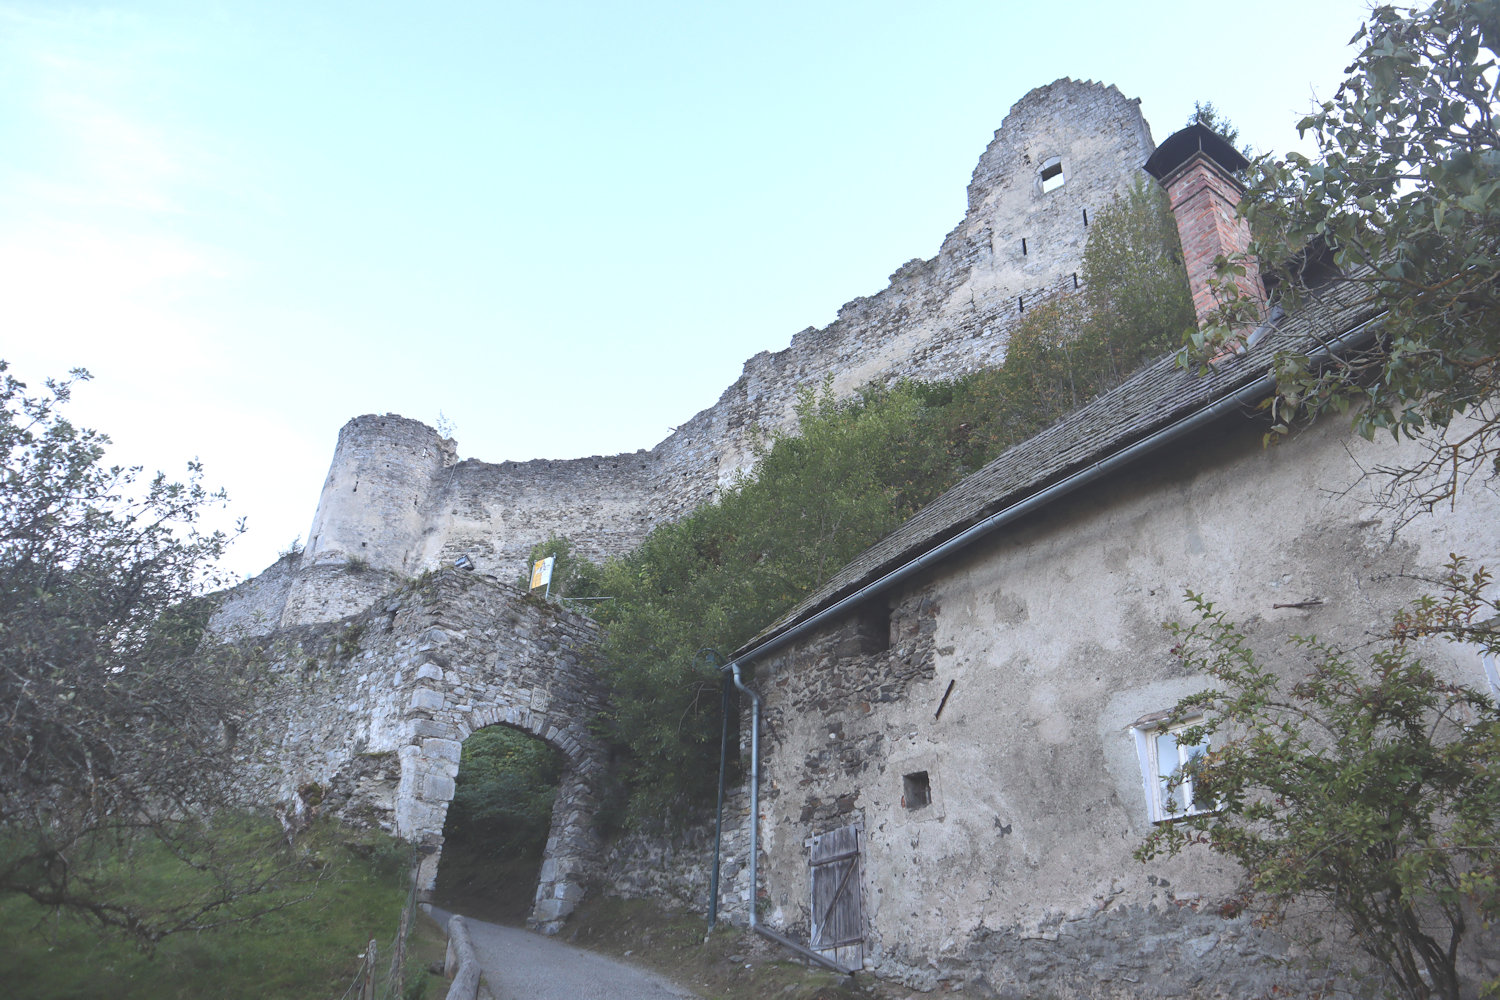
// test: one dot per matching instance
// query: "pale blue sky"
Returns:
(563, 225)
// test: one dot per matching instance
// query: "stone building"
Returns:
(970, 711)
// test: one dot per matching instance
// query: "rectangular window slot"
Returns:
(916, 790)
(1085, 218)
(1023, 246)
(1020, 304)
(1075, 279)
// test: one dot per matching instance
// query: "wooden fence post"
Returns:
(367, 991)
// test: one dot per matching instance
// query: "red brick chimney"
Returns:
(1197, 167)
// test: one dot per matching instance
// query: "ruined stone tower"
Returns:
(397, 502)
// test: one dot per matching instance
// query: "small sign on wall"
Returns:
(541, 574)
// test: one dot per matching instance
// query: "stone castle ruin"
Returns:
(381, 678)
(398, 501)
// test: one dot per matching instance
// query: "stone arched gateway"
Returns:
(543, 695)
(368, 715)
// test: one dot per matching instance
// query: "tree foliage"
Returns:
(572, 574)
(1370, 785)
(852, 472)
(1211, 118)
(502, 799)
(107, 732)
(1404, 190)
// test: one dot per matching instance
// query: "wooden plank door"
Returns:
(837, 914)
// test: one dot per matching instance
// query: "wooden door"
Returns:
(837, 914)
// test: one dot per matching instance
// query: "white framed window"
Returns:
(1167, 764)
(1491, 664)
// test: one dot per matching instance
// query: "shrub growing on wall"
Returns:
(856, 469)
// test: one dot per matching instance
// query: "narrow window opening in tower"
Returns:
(1023, 246)
(1052, 174)
(1020, 303)
(1075, 279)
(1085, 218)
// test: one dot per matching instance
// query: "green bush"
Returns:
(1367, 789)
(502, 801)
(853, 471)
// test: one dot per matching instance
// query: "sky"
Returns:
(557, 229)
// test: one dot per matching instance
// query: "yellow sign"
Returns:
(541, 573)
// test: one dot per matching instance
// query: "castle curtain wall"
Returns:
(398, 501)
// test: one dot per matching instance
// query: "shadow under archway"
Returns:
(495, 835)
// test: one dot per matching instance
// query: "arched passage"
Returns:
(498, 825)
(571, 849)
(509, 662)
(374, 711)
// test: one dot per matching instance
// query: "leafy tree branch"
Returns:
(1403, 192)
(114, 729)
(1369, 784)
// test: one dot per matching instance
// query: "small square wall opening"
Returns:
(1052, 176)
(916, 790)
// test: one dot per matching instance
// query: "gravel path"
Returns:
(520, 965)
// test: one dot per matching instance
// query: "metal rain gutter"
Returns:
(734, 669)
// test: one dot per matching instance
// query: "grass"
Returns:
(308, 949)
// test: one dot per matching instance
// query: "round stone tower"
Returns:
(375, 502)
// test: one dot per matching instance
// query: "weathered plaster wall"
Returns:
(1050, 637)
(397, 498)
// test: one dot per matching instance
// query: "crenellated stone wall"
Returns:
(398, 501)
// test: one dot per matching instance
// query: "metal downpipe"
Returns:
(713, 885)
(754, 918)
(754, 789)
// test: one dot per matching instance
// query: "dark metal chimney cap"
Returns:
(1196, 138)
